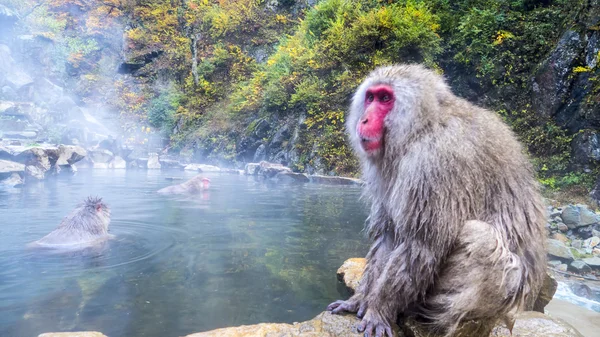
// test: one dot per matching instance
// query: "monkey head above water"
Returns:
(456, 219)
(195, 185)
(84, 226)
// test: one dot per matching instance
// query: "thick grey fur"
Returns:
(84, 226)
(457, 222)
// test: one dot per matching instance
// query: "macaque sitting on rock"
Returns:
(86, 226)
(457, 221)
(195, 185)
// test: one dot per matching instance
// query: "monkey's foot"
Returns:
(375, 322)
(350, 305)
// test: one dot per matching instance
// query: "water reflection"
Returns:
(242, 253)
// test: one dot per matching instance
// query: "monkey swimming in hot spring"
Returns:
(86, 226)
(456, 219)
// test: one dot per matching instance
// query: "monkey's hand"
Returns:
(353, 304)
(377, 322)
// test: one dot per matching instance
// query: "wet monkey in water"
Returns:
(456, 219)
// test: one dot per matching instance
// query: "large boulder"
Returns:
(579, 215)
(153, 162)
(100, 156)
(11, 173)
(11, 74)
(70, 154)
(559, 250)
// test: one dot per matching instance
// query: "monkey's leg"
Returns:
(375, 261)
(481, 280)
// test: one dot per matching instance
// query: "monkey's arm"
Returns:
(378, 223)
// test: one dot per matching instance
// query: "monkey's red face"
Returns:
(379, 101)
(205, 183)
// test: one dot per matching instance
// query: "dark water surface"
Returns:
(244, 252)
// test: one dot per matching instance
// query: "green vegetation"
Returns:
(230, 63)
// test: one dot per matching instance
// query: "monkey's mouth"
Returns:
(371, 145)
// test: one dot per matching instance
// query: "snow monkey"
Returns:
(85, 226)
(456, 219)
(195, 185)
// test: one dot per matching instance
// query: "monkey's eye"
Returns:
(385, 98)
(370, 98)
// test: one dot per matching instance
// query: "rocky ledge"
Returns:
(22, 163)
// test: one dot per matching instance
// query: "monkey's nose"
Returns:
(364, 121)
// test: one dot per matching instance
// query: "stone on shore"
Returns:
(291, 177)
(334, 180)
(153, 162)
(558, 249)
(579, 215)
(325, 325)
(73, 334)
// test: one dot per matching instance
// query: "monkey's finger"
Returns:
(361, 311)
(389, 331)
(334, 305)
(369, 329)
(379, 331)
(361, 327)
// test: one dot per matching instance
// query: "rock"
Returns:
(324, 325)
(579, 215)
(333, 180)
(73, 334)
(591, 242)
(586, 147)
(291, 177)
(593, 262)
(70, 154)
(577, 244)
(8, 167)
(554, 263)
(562, 227)
(251, 169)
(559, 250)
(560, 237)
(117, 163)
(552, 80)
(269, 170)
(153, 162)
(100, 156)
(579, 267)
(351, 272)
(530, 324)
(170, 164)
(208, 168)
(11, 180)
(535, 324)
(562, 267)
(34, 172)
(545, 294)
(260, 153)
